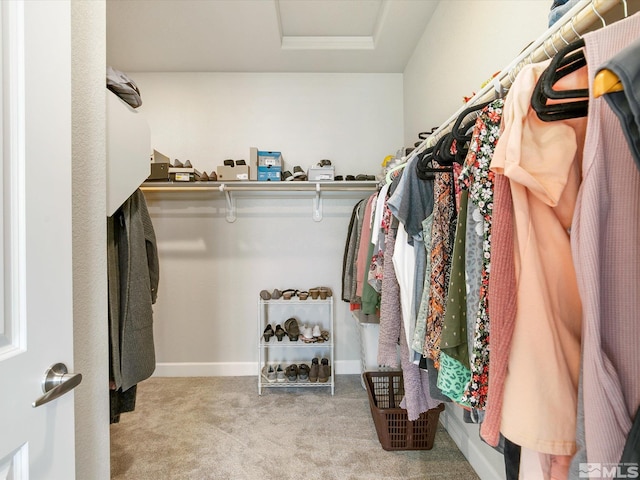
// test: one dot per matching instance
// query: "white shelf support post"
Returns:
(317, 205)
(231, 204)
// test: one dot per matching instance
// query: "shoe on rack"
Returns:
(276, 294)
(303, 372)
(307, 334)
(324, 372)
(286, 176)
(292, 372)
(279, 374)
(316, 331)
(292, 328)
(268, 333)
(268, 373)
(187, 164)
(265, 295)
(289, 293)
(314, 370)
(177, 164)
(203, 177)
(279, 333)
(213, 177)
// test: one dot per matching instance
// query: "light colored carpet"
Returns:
(220, 428)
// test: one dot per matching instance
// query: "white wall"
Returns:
(464, 44)
(91, 354)
(212, 271)
(355, 120)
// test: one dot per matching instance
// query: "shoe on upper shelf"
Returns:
(265, 295)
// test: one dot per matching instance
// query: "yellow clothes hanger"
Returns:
(605, 82)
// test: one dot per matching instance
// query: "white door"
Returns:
(35, 288)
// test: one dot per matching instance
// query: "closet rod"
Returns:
(568, 28)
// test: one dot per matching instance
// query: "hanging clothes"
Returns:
(381, 216)
(478, 179)
(411, 203)
(502, 306)
(626, 103)
(390, 310)
(442, 237)
(543, 365)
(605, 242)
(421, 320)
(454, 373)
(363, 258)
(349, 274)
(133, 277)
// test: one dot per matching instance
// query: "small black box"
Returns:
(159, 171)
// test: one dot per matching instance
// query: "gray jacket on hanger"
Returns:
(133, 270)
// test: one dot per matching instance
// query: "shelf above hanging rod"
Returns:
(252, 186)
(228, 188)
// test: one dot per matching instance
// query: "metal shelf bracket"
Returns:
(231, 204)
(317, 205)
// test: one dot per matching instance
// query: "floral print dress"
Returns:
(478, 179)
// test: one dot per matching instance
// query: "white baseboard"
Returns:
(233, 369)
(488, 463)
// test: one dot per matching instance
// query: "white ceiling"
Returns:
(359, 36)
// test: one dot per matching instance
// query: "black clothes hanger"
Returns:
(442, 151)
(423, 136)
(459, 131)
(568, 59)
(424, 167)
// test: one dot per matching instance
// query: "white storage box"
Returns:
(318, 174)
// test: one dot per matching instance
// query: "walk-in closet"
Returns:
(321, 239)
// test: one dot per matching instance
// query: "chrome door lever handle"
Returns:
(57, 381)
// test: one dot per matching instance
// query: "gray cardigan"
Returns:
(133, 270)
